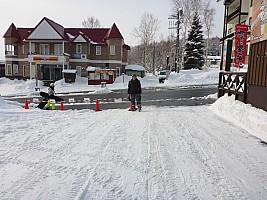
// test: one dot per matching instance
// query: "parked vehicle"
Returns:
(163, 75)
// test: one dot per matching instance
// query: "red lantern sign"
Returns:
(241, 35)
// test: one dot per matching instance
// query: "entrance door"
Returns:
(32, 71)
(79, 70)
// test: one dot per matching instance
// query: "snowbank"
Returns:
(244, 115)
(193, 77)
(184, 78)
(18, 87)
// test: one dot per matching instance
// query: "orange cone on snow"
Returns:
(97, 107)
(26, 104)
(131, 107)
(61, 105)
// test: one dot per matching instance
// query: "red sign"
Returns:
(241, 35)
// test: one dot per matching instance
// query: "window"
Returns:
(32, 48)
(230, 30)
(24, 71)
(23, 49)
(98, 50)
(58, 49)
(251, 3)
(118, 70)
(112, 50)
(10, 49)
(15, 69)
(44, 49)
(8, 69)
(105, 76)
(89, 49)
(78, 48)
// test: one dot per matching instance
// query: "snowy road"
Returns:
(160, 153)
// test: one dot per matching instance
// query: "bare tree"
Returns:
(146, 32)
(91, 22)
(208, 19)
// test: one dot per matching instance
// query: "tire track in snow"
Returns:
(165, 181)
(33, 177)
(101, 176)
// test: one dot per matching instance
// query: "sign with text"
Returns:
(259, 21)
(241, 35)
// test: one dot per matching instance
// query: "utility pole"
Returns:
(154, 52)
(176, 26)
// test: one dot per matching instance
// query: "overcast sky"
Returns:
(70, 13)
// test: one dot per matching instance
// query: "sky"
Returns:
(125, 13)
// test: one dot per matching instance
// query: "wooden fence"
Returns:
(233, 83)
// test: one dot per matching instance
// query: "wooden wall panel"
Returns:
(257, 72)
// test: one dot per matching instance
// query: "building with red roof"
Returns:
(45, 51)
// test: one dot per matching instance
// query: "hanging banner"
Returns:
(241, 35)
(259, 21)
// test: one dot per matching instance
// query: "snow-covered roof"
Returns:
(135, 67)
(213, 57)
(90, 69)
(69, 71)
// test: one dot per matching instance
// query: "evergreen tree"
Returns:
(194, 48)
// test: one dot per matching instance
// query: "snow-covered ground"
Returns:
(204, 152)
(184, 78)
(160, 153)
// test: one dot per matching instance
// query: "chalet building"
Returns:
(45, 51)
(236, 12)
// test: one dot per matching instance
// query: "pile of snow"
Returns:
(244, 115)
(193, 77)
(9, 106)
(184, 78)
(18, 87)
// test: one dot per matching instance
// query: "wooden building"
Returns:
(45, 51)
(257, 70)
(250, 86)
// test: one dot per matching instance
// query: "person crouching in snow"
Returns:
(47, 96)
(135, 92)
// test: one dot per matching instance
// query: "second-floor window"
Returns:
(10, 49)
(58, 49)
(78, 48)
(112, 50)
(251, 2)
(98, 50)
(230, 30)
(44, 49)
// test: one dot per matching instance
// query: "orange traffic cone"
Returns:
(131, 107)
(61, 105)
(26, 104)
(97, 107)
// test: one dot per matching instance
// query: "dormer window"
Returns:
(78, 48)
(98, 50)
(112, 50)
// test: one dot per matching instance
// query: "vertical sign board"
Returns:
(259, 21)
(241, 35)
